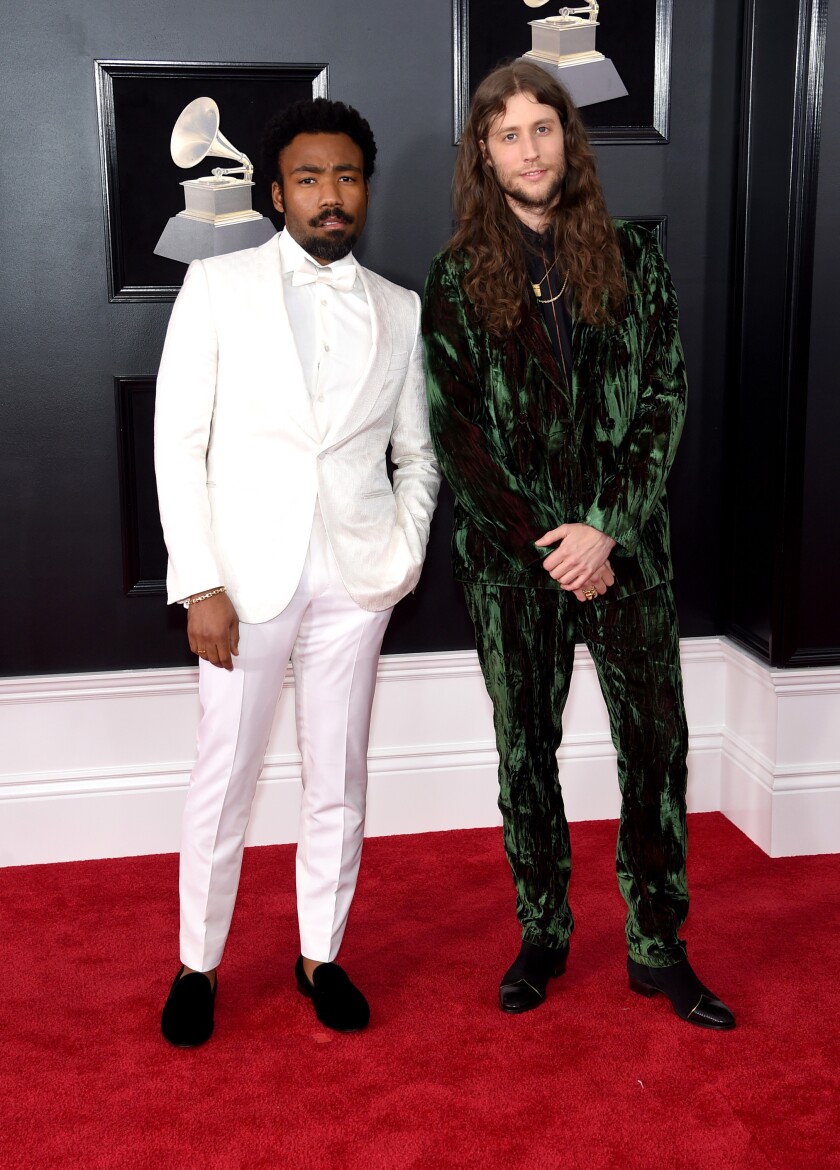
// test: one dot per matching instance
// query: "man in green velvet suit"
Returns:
(557, 394)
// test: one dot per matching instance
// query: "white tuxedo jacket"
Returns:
(239, 460)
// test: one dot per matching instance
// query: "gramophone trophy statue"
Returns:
(565, 46)
(218, 217)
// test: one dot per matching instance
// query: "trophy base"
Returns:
(218, 199)
(556, 37)
(188, 237)
(588, 82)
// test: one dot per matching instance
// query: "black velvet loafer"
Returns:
(524, 984)
(187, 1019)
(338, 1004)
(689, 998)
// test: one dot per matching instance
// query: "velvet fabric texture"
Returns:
(525, 452)
(526, 643)
(338, 1003)
(187, 1019)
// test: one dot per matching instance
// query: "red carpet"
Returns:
(597, 1078)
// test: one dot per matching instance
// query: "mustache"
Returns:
(331, 213)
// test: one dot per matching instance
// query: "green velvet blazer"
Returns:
(523, 452)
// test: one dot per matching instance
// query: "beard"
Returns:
(338, 244)
(329, 250)
(536, 202)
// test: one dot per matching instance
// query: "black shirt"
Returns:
(539, 255)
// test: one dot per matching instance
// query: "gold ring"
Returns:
(589, 594)
(201, 651)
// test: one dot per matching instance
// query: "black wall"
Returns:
(63, 343)
(816, 622)
(782, 571)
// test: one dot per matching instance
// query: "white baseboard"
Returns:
(97, 765)
(780, 761)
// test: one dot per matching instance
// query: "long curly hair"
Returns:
(487, 231)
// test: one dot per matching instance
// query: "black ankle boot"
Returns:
(689, 998)
(523, 985)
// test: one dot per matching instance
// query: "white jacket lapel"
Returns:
(362, 397)
(281, 359)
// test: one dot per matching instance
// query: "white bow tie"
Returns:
(342, 279)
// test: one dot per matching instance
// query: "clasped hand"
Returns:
(581, 559)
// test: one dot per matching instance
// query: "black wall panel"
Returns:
(783, 567)
(757, 407)
(815, 624)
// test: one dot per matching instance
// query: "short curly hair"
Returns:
(316, 116)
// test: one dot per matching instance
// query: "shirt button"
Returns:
(323, 302)
(326, 347)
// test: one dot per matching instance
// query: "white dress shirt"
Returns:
(332, 330)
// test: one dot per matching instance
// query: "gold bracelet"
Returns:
(203, 596)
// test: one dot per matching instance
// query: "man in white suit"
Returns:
(287, 371)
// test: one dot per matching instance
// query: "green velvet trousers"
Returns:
(526, 641)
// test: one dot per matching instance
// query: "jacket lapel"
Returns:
(588, 377)
(584, 338)
(361, 398)
(537, 341)
(281, 360)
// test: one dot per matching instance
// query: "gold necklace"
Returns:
(556, 297)
(537, 285)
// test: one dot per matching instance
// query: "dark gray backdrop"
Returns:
(63, 343)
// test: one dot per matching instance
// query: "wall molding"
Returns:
(97, 765)
(780, 759)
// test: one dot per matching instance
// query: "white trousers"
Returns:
(334, 647)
